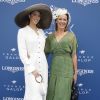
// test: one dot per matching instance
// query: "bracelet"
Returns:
(39, 79)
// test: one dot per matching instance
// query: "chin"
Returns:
(62, 27)
(35, 23)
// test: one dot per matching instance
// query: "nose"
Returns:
(62, 21)
(37, 16)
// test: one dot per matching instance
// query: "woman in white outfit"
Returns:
(31, 42)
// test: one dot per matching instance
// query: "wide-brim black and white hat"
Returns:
(22, 18)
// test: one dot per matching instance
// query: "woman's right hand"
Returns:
(36, 73)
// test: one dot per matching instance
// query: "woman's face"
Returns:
(34, 17)
(62, 22)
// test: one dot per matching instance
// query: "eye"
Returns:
(65, 19)
(59, 18)
(35, 14)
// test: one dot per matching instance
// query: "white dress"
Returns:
(31, 52)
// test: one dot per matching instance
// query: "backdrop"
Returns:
(85, 15)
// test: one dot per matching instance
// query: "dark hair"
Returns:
(66, 24)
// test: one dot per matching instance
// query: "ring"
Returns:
(39, 79)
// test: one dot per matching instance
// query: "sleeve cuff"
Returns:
(29, 69)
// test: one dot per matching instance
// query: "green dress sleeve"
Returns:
(74, 45)
(47, 45)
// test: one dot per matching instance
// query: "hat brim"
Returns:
(22, 18)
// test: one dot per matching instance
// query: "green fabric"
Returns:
(61, 73)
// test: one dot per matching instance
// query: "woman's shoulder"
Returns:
(23, 29)
(72, 34)
(41, 30)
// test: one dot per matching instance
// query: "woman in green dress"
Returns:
(63, 45)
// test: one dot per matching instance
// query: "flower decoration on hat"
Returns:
(56, 12)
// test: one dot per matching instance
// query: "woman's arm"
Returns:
(74, 59)
(74, 56)
(23, 53)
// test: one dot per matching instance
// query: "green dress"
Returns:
(61, 71)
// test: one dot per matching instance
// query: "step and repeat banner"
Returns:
(85, 23)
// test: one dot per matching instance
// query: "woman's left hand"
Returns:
(75, 77)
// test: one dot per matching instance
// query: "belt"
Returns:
(61, 54)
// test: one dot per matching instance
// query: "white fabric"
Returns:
(31, 52)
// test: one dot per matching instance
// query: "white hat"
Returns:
(61, 11)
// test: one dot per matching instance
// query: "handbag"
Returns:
(74, 92)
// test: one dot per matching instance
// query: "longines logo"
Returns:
(13, 86)
(83, 90)
(12, 98)
(84, 57)
(85, 2)
(85, 71)
(12, 69)
(11, 54)
(12, 2)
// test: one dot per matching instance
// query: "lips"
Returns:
(35, 21)
(62, 24)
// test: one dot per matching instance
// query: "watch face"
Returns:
(39, 79)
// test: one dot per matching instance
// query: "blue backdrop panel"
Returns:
(85, 15)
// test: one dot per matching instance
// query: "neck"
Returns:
(33, 26)
(60, 31)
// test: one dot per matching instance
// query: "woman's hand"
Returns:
(36, 73)
(75, 77)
